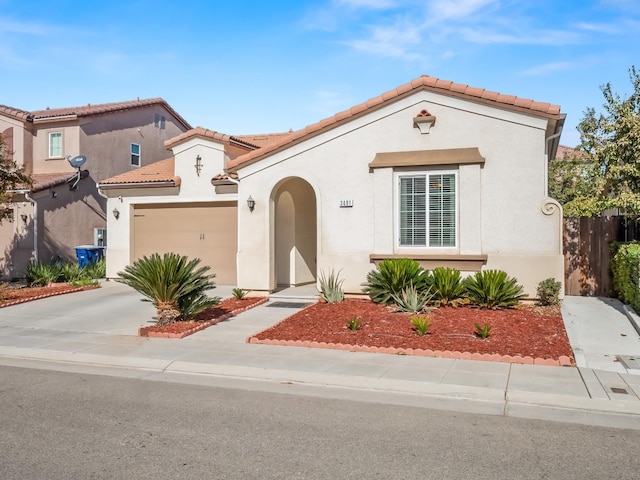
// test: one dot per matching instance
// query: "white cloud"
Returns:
(27, 28)
(394, 41)
(521, 37)
(455, 9)
(548, 68)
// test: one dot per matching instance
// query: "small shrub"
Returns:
(354, 323)
(421, 324)
(392, 277)
(69, 272)
(3, 290)
(84, 282)
(96, 270)
(331, 287)
(39, 274)
(483, 330)
(549, 292)
(238, 293)
(493, 289)
(625, 269)
(412, 300)
(446, 286)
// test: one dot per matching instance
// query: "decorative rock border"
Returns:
(46, 295)
(563, 361)
(197, 326)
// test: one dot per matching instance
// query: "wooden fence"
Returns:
(587, 255)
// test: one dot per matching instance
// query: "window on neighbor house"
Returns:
(160, 121)
(135, 155)
(55, 144)
(428, 210)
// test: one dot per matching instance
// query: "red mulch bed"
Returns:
(526, 331)
(13, 296)
(229, 307)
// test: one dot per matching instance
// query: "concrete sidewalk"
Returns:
(94, 331)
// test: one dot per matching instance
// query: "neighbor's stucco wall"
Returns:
(500, 203)
(16, 240)
(193, 188)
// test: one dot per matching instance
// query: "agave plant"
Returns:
(493, 289)
(39, 274)
(175, 285)
(411, 299)
(331, 287)
(392, 277)
(446, 285)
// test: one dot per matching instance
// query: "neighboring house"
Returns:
(63, 208)
(436, 171)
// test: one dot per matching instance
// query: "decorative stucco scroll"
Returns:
(551, 207)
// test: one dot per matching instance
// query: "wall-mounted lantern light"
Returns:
(251, 203)
(24, 218)
(54, 194)
(198, 164)
(116, 213)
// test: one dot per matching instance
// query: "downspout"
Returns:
(35, 224)
(551, 206)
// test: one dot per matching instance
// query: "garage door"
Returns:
(208, 231)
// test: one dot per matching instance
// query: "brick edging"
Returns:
(200, 325)
(562, 361)
(46, 295)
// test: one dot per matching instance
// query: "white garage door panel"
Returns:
(207, 231)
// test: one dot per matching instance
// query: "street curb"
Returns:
(632, 316)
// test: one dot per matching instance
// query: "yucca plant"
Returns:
(238, 293)
(446, 285)
(421, 324)
(493, 289)
(392, 277)
(69, 272)
(331, 287)
(96, 270)
(39, 274)
(411, 299)
(175, 285)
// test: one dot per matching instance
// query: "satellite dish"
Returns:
(77, 161)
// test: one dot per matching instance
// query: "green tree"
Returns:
(11, 177)
(605, 172)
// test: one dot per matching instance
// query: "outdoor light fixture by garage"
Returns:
(251, 203)
(116, 213)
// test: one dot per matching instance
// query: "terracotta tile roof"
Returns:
(224, 179)
(566, 151)
(42, 181)
(260, 140)
(87, 110)
(424, 82)
(198, 132)
(15, 113)
(162, 172)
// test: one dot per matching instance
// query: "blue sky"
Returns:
(243, 67)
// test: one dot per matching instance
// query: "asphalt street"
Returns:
(58, 425)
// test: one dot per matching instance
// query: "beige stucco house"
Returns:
(437, 171)
(63, 209)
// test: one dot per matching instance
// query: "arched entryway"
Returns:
(295, 233)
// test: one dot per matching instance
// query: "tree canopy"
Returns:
(11, 177)
(604, 171)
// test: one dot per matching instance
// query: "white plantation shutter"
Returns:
(442, 210)
(428, 204)
(413, 228)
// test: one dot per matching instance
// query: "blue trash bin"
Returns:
(88, 254)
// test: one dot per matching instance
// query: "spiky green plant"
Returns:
(96, 270)
(493, 289)
(40, 274)
(411, 299)
(446, 286)
(69, 272)
(483, 330)
(354, 323)
(421, 324)
(392, 277)
(238, 293)
(175, 285)
(331, 287)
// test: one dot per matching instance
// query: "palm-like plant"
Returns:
(175, 285)
(493, 289)
(446, 285)
(392, 277)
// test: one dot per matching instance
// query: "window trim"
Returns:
(139, 155)
(396, 199)
(50, 145)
